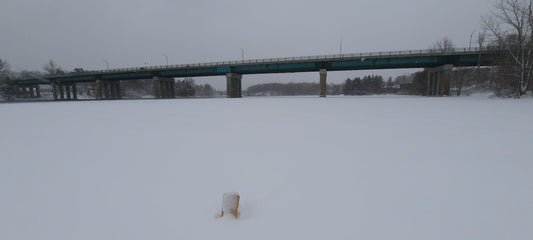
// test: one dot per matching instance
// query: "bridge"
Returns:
(108, 81)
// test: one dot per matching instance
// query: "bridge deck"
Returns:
(340, 62)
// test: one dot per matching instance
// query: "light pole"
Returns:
(340, 51)
(106, 63)
(242, 54)
(470, 44)
(166, 57)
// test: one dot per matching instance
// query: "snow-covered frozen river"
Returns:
(367, 168)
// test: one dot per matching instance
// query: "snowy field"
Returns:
(368, 168)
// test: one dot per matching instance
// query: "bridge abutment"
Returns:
(64, 91)
(438, 81)
(108, 89)
(323, 82)
(234, 86)
(164, 88)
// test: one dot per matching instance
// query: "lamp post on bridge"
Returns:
(106, 63)
(470, 44)
(340, 48)
(166, 57)
(242, 54)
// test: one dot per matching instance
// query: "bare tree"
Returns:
(481, 38)
(511, 25)
(4, 68)
(53, 69)
(6, 89)
(443, 45)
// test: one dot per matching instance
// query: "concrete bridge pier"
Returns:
(438, 81)
(35, 91)
(64, 91)
(323, 83)
(108, 89)
(164, 88)
(32, 91)
(234, 86)
(23, 92)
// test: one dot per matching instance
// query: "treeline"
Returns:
(290, 89)
(188, 88)
(368, 85)
(5, 78)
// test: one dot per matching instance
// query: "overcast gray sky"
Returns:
(132, 33)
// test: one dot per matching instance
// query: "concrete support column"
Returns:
(166, 85)
(98, 90)
(432, 84)
(438, 83)
(157, 87)
(67, 90)
(164, 88)
(54, 91)
(323, 83)
(172, 89)
(428, 82)
(74, 92)
(439, 78)
(107, 90)
(24, 92)
(112, 91)
(38, 91)
(61, 92)
(233, 85)
(31, 93)
(168, 89)
(119, 91)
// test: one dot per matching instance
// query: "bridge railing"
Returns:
(383, 54)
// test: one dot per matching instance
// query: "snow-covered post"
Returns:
(230, 203)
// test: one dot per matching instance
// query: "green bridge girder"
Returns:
(341, 63)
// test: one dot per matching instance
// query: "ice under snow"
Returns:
(401, 168)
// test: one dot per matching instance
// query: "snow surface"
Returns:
(305, 168)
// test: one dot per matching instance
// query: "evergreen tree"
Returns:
(358, 86)
(348, 87)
